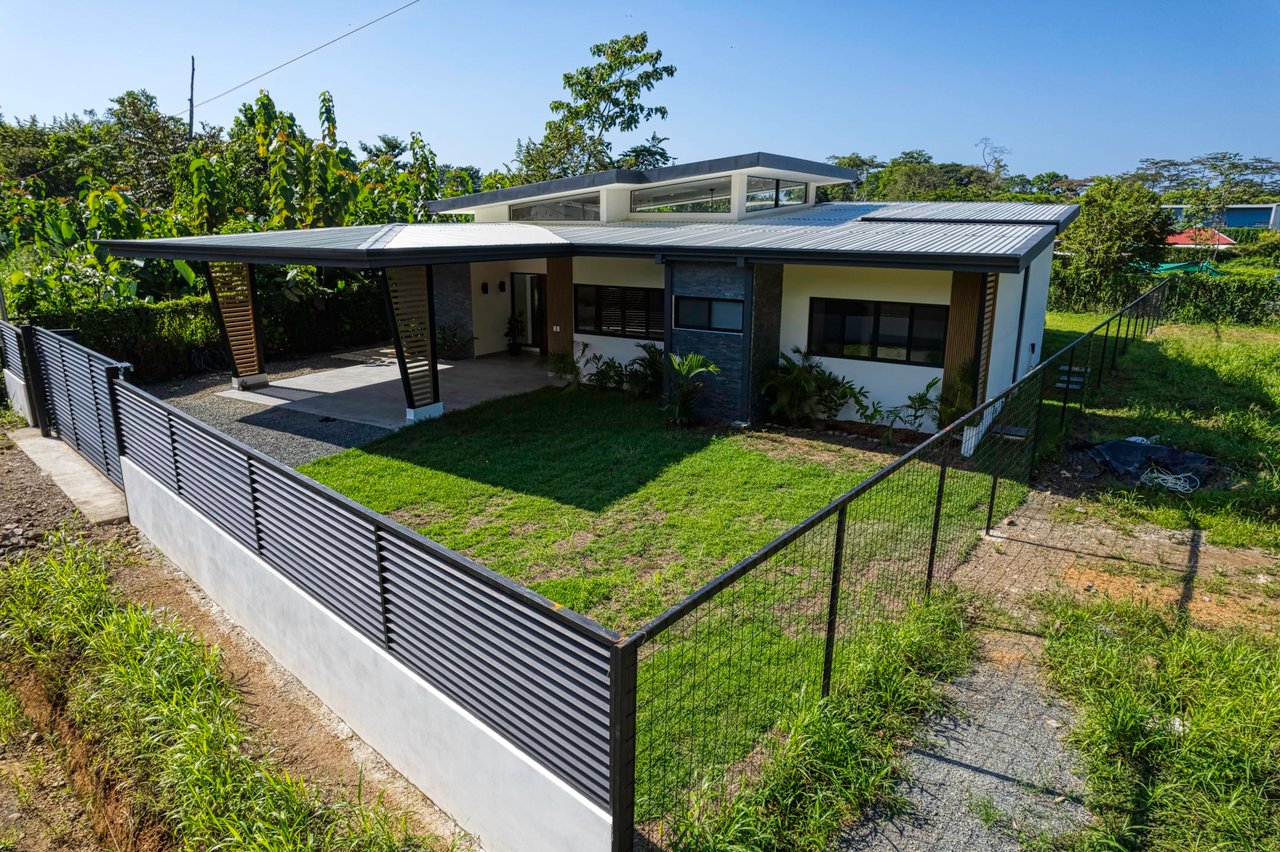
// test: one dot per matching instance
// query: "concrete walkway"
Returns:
(95, 496)
(371, 393)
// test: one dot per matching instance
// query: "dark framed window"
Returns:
(768, 193)
(901, 332)
(579, 208)
(708, 314)
(618, 311)
(710, 195)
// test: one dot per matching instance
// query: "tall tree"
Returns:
(603, 99)
(1120, 233)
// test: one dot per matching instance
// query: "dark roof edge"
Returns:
(342, 258)
(698, 168)
(1059, 224)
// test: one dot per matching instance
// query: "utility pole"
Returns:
(191, 103)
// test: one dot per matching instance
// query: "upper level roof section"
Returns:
(727, 188)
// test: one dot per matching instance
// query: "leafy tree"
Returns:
(1119, 234)
(603, 99)
(855, 189)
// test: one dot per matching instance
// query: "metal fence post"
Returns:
(1102, 362)
(833, 605)
(1001, 438)
(623, 665)
(37, 398)
(113, 403)
(1068, 379)
(937, 522)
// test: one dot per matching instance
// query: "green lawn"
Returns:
(1210, 389)
(591, 498)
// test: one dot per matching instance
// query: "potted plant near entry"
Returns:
(515, 333)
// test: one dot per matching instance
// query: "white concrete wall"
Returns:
(616, 272)
(16, 388)
(1004, 340)
(490, 311)
(507, 800)
(890, 384)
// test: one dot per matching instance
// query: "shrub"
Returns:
(688, 373)
(607, 374)
(646, 371)
(1247, 293)
(569, 367)
(800, 389)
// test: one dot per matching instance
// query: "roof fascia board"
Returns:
(337, 258)
(663, 174)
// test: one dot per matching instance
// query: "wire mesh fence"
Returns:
(715, 675)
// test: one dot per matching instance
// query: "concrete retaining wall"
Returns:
(508, 801)
(16, 388)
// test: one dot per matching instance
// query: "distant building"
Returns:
(1240, 215)
(1200, 238)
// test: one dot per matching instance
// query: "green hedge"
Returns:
(180, 337)
(1247, 295)
(1243, 236)
(161, 340)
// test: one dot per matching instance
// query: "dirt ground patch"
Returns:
(1052, 544)
(39, 809)
(305, 738)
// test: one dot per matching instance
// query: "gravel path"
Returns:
(994, 773)
(292, 437)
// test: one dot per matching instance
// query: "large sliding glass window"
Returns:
(768, 193)
(878, 331)
(695, 196)
(579, 208)
(618, 311)
(708, 314)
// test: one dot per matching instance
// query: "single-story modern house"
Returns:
(731, 258)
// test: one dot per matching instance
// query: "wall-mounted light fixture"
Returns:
(484, 287)
(502, 286)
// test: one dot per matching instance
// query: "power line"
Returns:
(76, 160)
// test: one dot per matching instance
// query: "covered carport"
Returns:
(405, 259)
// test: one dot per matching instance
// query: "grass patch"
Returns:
(595, 501)
(834, 758)
(1210, 389)
(10, 419)
(1179, 726)
(12, 721)
(162, 717)
(591, 498)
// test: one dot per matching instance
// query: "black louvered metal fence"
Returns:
(72, 388)
(535, 672)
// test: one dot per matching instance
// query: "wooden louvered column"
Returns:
(410, 301)
(988, 328)
(231, 291)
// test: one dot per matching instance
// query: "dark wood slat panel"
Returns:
(232, 287)
(408, 289)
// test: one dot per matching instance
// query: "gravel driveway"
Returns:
(994, 773)
(291, 437)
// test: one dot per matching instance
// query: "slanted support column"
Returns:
(231, 291)
(413, 326)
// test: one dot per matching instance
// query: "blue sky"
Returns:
(1081, 87)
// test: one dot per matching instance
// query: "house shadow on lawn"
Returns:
(583, 448)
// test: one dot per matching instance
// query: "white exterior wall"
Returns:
(890, 384)
(16, 388)
(1004, 340)
(494, 792)
(616, 272)
(489, 312)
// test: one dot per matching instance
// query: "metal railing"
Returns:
(712, 676)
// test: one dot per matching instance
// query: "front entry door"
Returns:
(529, 298)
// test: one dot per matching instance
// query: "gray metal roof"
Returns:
(612, 177)
(993, 212)
(846, 234)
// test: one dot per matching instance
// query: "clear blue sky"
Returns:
(1081, 87)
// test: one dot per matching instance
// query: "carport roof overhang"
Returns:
(994, 247)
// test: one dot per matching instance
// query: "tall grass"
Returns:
(834, 758)
(1179, 727)
(163, 718)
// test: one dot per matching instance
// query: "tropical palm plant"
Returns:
(688, 377)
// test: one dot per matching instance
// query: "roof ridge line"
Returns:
(383, 234)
